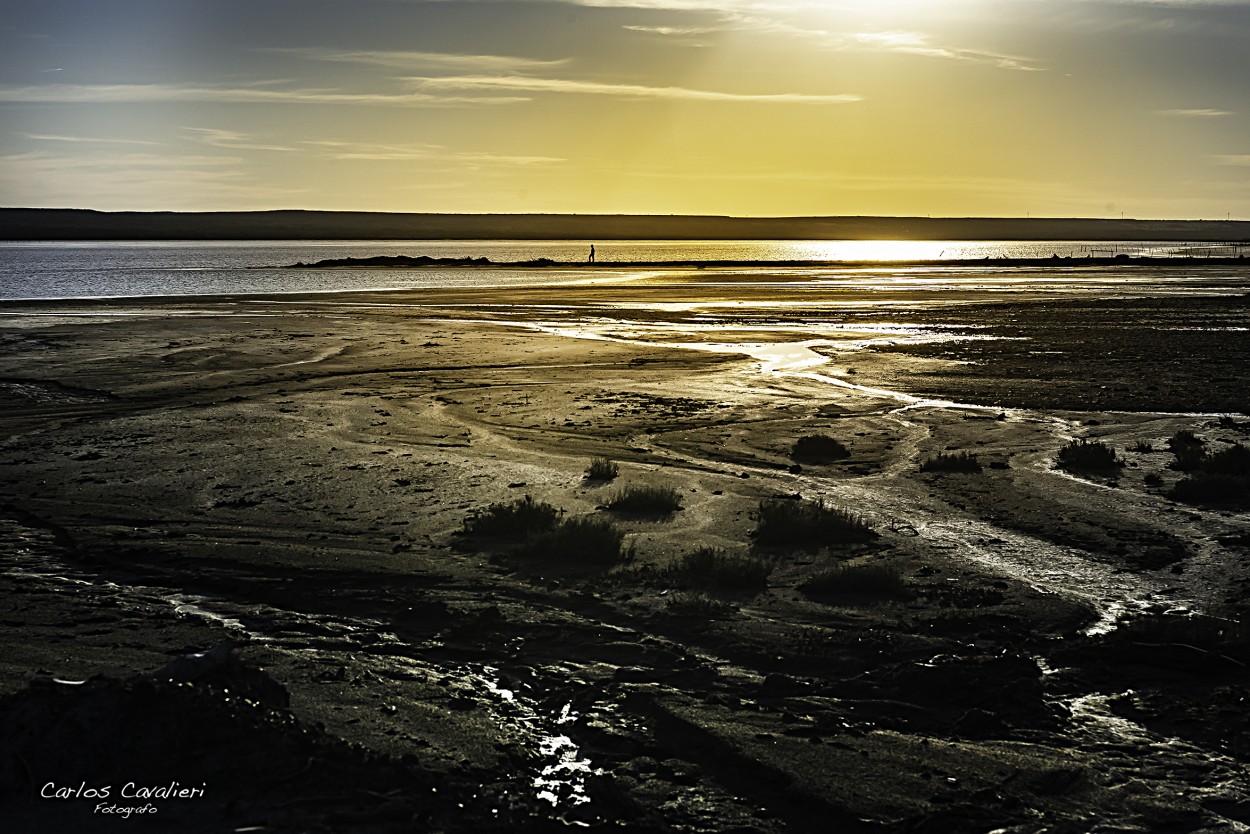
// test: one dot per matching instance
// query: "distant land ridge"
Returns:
(410, 262)
(87, 224)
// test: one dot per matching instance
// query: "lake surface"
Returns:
(38, 270)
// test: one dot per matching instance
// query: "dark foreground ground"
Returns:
(1019, 649)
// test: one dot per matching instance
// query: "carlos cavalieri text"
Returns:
(174, 790)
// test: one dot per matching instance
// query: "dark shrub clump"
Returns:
(595, 541)
(710, 568)
(646, 500)
(808, 524)
(1206, 488)
(1234, 460)
(1222, 477)
(957, 462)
(1189, 450)
(518, 519)
(818, 448)
(1088, 456)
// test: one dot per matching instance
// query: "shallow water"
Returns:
(36, 270)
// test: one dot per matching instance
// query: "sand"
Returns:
(294, 474)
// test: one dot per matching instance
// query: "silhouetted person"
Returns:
(592, 254)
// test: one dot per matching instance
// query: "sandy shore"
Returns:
(294, 474)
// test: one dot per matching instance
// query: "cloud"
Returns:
(676, 31)
(915, 43)
(1240, 160)
(387, 152)
(230, 139)
(409, 60)
(526, 84)
(697, 5)
(1201, 113)
(140, 93)
(44, 137)
(145, 161)
(854, 181)
(139, 181)
(1177, 3)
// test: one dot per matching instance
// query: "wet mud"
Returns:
(1040, 649)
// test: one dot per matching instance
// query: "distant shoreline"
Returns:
(27, 224)
(424, 261)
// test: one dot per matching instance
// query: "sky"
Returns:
(1042, 108)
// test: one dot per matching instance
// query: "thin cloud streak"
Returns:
(527, 84)
(915, 43)
(91, 140)
(380, 152)
(409, 60)
(1198, 113)
(231, 139)
(141, 93)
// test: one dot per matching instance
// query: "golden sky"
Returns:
(1087, 108)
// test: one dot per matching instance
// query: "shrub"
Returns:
(1222, 477)
(1233, 460)
(602, 469)
(585, 540)
(1086, 455)
(818, 448)
(638, 499)
(519, 519)
(1189, 449)
(808, 523)
(1143, 447)
(1184, 438)
(958, 462)
(1210, 488)
(709, 568)
(873, 581)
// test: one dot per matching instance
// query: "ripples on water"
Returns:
(122, 269)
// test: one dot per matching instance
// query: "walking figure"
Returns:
(592, 253)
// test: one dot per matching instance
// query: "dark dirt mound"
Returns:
(209, 756)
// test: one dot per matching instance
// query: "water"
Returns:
(37, 270)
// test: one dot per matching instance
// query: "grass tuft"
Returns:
(818, 449)
(808, 524)
(712, 569)
(637, 499)
(682, 604)
(957, 462)
(518, 519)
(602, 469)
(1088, 456)
(585, 540)
(857, 581)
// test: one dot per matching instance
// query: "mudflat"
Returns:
(861, 593)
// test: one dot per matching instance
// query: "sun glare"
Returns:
(877, 250)
(881, 9)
